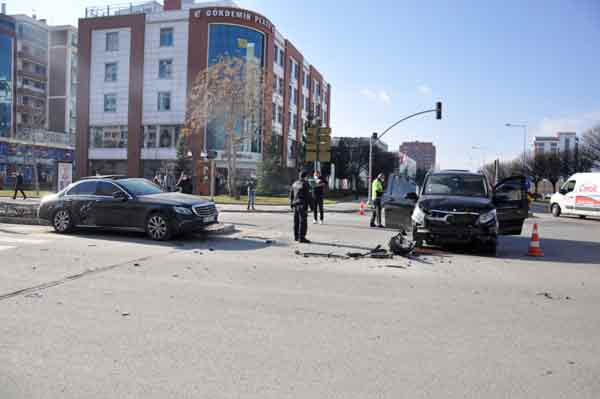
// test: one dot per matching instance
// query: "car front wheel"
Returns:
(158, 227)
(62, 221)
(556, 210)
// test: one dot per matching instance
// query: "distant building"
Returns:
(358, 141)
(38, 75)
(562, 142)
(422, 152)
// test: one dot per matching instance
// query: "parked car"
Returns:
(460, 207)
(580, 195)
(121, 203)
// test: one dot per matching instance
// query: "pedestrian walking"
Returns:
(19, 186)
(318, 196)
(377, 193)
(157, 179)
(251, 188)
(299, 201)
(185, 184)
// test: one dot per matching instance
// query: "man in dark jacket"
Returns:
(299, 201)
(19, 186)
(318, 195)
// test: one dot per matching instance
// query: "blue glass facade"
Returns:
(235, 41)
(6, 82)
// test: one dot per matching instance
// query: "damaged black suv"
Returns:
(460, 207)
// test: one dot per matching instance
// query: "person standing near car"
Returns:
(299, 201)
(318, 196)
(251, 188)
(19, 186)
(377, 193)
(185, 184)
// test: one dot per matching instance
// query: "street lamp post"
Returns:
(524, 127)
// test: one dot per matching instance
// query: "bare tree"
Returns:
(591, 143)
(229, 94)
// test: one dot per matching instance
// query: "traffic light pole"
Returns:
(437, 110)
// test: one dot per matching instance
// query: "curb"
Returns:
(278, 211)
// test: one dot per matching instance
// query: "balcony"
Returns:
(33, 75)
(32, 58)
(41, 137)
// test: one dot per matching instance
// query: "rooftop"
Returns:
(149, 7)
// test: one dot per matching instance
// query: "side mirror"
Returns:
(411, 196)
(120, 195)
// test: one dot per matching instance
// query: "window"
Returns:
(274, 112)
(274, 85)
(291, 93)
(306, 80)
(106, 189)
(83, 188)
(151, 136)
(295, 122)
(296, 72)
(289, 119)
(281, 86)
(280, 114)
(112, 41)
(110, 72)
(167, 138)
(569, 186)
(307, 104)
(110, 103)
(291, 69)
(276, 54)
(164, 101)
(166, 37)
(109, 136)
(281, 58)
(165, 69)
(295, 97)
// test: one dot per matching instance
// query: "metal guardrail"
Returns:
(142, 7)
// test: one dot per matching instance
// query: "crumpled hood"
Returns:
(455, 203)
(174, 199)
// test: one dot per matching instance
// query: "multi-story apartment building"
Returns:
(562, 142)
(37, 97)
(423, 153)
(136, 66)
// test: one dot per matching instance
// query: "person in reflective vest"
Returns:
(376, 194)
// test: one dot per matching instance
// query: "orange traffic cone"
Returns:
(534, 245)
(361, 209)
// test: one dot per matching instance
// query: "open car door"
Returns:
(512, 206)
(397, 207)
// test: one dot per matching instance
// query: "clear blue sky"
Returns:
(490, 62)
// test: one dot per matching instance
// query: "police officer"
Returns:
(299, 201)
(377, 193)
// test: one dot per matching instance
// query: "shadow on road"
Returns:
(555, 250)
(200, 241)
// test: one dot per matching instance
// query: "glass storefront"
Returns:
(6, 84)
(108, 136)
(16, 157)
(247, 44)
(161, 136)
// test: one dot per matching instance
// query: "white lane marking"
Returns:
(6, 247)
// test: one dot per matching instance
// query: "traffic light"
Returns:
(438, 110)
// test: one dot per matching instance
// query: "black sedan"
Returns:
(131, 204)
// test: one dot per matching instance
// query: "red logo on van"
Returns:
(588, 188)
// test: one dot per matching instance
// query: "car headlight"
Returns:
(487, 217)
(418, 216)
(182, 211)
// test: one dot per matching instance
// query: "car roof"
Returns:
(456, 172)
(104, 177)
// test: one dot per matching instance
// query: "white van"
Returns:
(580, 195)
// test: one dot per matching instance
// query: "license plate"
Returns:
(209, 219)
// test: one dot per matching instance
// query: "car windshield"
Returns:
(460, 185)
(139, 187)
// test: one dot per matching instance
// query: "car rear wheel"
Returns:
(158, 227)
(490, 248)
(582, 216)
(62, 221)
(556, 210)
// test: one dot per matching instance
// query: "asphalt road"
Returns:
(241, 316)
